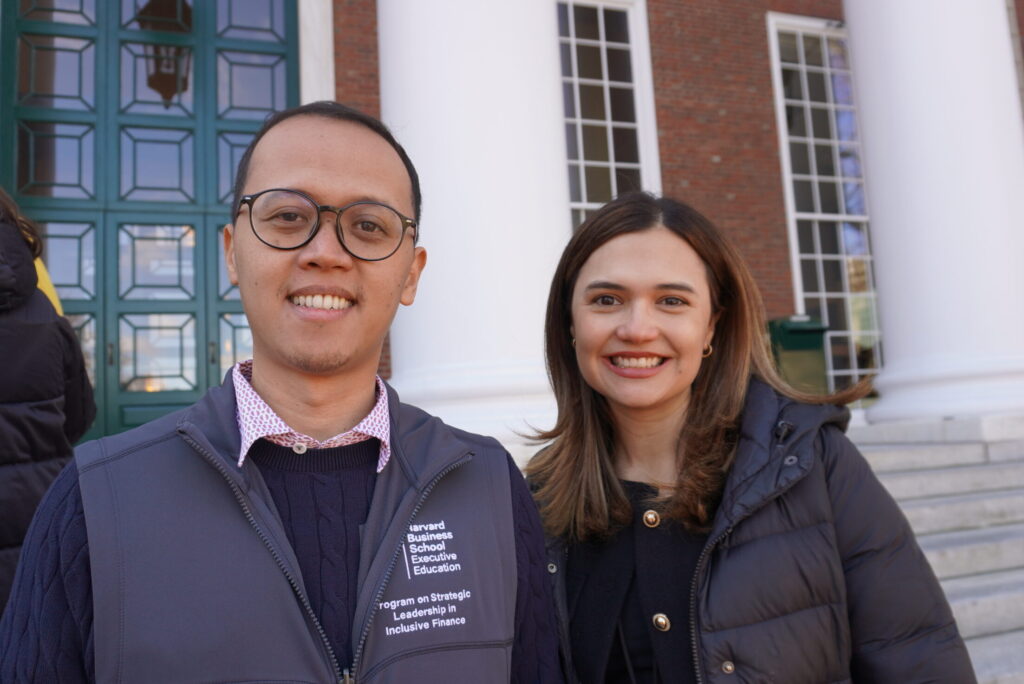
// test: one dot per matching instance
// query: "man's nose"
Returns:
(325, 249)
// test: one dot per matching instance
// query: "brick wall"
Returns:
(716, 123)
(1020, 21)
(357, 76)
(356, 65)
(1018, 10)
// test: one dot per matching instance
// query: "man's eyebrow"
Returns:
(370, 198)
(353, 200)
(363, 198)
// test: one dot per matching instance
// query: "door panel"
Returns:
(155, 322)
(128, 122)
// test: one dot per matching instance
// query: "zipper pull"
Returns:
(782, 430)
(347, 678)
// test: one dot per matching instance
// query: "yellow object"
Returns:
(46, 285)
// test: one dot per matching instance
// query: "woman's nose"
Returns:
(638, 325)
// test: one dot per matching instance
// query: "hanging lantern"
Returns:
(167, 66)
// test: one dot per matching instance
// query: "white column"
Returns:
(944, 157)
(472, 90)
(316, 50)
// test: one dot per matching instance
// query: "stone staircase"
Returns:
(961, 484)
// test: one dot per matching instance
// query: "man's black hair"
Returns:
(330, 110)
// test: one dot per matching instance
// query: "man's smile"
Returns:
(321, 301)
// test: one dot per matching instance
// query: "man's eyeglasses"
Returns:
(289, 219)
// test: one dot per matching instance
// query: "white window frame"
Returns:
(643, 94)
(778, 21)
(826, 28)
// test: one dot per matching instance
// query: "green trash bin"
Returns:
(798, 344)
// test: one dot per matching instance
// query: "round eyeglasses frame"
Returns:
(320, 208)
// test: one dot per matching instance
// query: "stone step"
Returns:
(998, 659)
(965, 511)
(992, 603)
(966, 552)
(916, 484)
(988, 429)
(896, 457)
(1006, 451)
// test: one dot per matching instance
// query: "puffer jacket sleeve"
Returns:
(46, 631)
(79, 403)
(901, 626)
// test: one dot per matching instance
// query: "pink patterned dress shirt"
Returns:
(256, 420)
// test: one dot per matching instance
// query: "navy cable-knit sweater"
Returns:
(46, 632)
(323, 496)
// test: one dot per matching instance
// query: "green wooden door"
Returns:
(123, 124)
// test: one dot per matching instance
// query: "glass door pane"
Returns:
(156, 322)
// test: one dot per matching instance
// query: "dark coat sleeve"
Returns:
(79, 404)
(46, 630)
(535, 658)
(901, 626)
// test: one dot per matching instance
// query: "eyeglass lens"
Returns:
(286, 220)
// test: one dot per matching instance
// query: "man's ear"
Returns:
(412, 278)
(229, 253)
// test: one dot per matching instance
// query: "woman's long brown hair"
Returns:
(579, 494)
(9, 213)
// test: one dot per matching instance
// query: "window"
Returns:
(824, 186)
(608, 102)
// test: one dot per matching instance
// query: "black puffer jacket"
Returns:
(46, 402)
(811, 574)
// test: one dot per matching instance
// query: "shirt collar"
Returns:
(256, 420)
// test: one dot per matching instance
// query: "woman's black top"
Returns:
(629, 599)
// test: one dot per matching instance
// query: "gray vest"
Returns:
(194, 580)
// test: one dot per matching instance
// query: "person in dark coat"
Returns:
(46, 401)
(707, 522)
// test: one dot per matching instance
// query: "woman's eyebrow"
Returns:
(685, 287)
(604, 285)
(609, 285)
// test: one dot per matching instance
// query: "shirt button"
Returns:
(661, 622)
(552, 568)
(728, 667)
(299, 448)
(652, 519)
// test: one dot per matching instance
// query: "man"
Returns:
(298, 523)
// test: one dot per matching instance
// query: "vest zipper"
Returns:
(296, 589)
(349, 676)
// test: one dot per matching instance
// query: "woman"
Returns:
(46, 401)
(708, 522)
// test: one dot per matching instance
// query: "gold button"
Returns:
(728, 667)
(299, 448)
(652, 519)
(661, 622)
